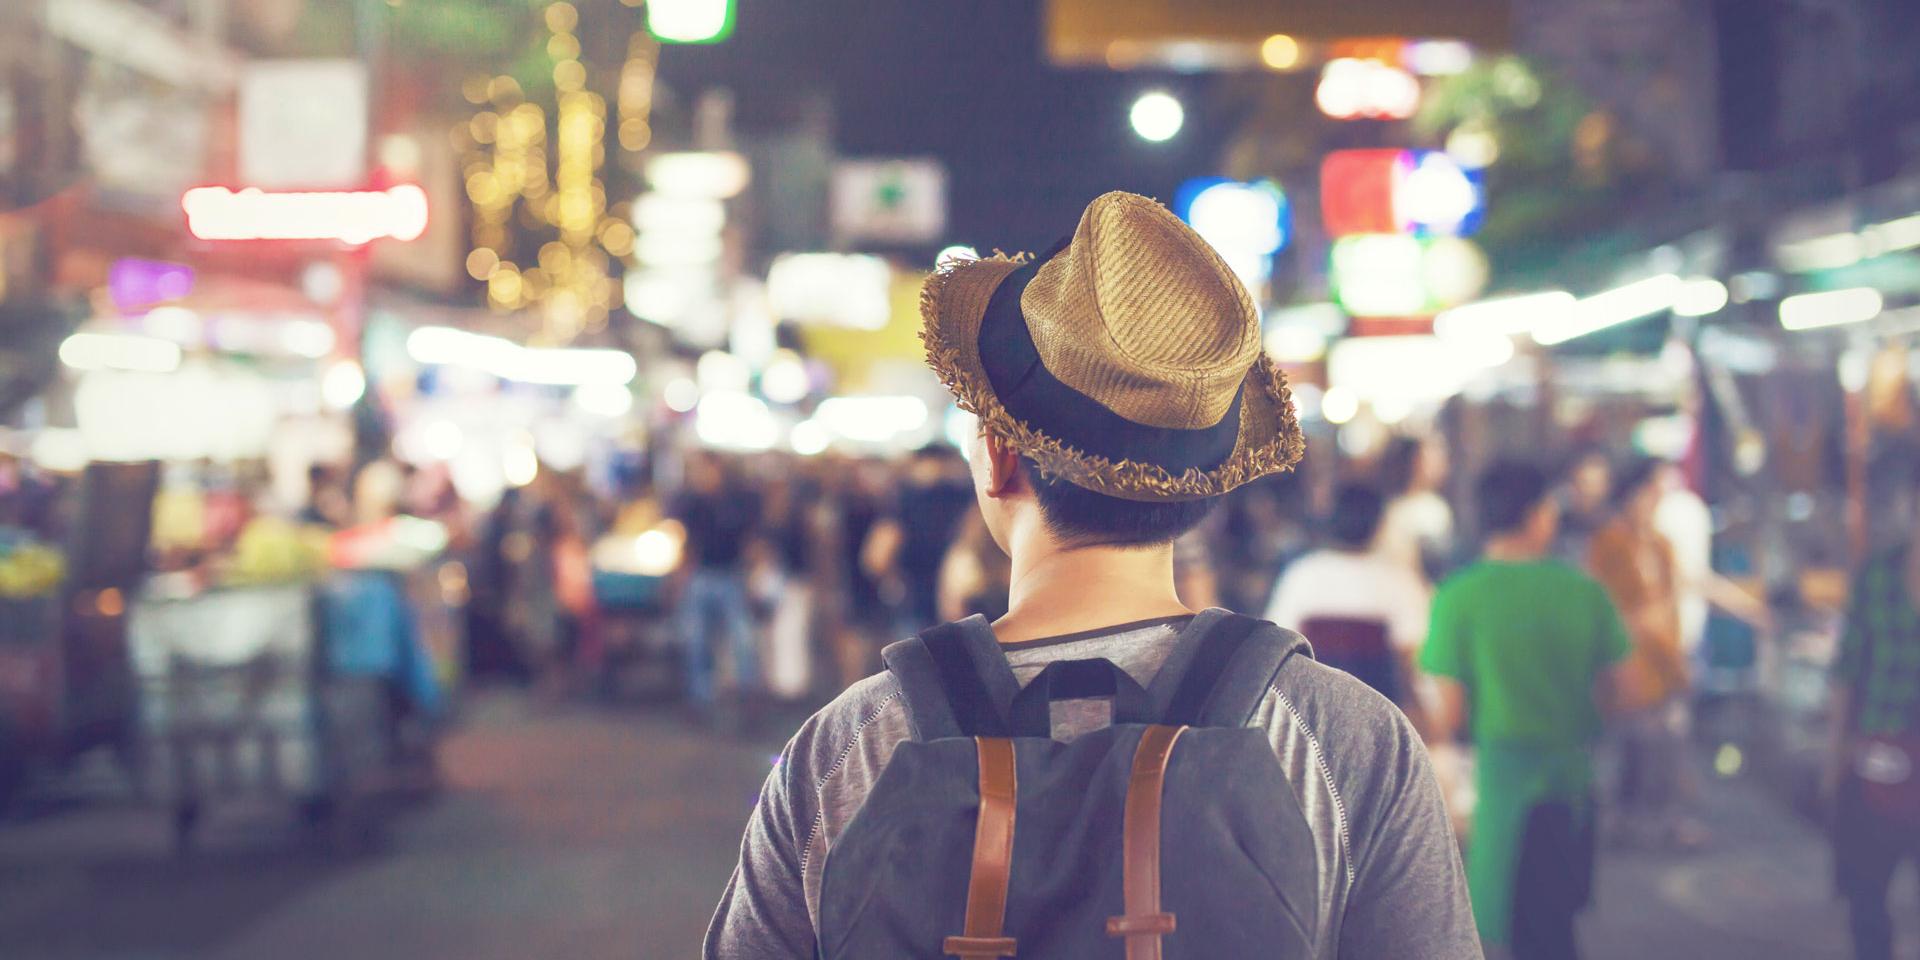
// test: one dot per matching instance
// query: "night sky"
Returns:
(1026, 144)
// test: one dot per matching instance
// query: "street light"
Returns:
(1157, 116)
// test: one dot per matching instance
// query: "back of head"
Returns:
(1509, 493)
(1893, 488)
(1356, 516)
(1400, 465)
(1632, 479)
(1078, 517)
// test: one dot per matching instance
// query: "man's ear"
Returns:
(1003, 468)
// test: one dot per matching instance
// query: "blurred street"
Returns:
(448, 447)
(562, 833)
(581, 831)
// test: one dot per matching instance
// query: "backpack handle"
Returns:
(1077, 680)
(1219, 680)
(955, 680)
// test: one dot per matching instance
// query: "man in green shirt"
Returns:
(1522, 645)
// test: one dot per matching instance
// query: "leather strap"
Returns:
(1143, 924)
(992, 858)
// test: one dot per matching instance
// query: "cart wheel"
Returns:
(186, 825)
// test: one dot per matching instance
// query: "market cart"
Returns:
(631, 589)
(240, 702)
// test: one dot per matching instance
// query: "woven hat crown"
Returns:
(1140, 314)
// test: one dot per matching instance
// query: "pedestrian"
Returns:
(326, 504)
(719, 514)
(1365, 613)
(1584, 496)
(1635, 563)
(862, 615)
(975, 576)
(1518, 642)
(1121, 390)
(1873, 775)
(910, 546)
(1416, 530)
(780, 585)
(1686, 521)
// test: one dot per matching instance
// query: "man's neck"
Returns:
(1513, 549)
(1055, 591)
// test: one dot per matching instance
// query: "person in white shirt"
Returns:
(1364, 612)
(1416, 527)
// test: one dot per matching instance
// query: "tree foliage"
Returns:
(1564, 169)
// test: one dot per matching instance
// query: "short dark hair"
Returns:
(1356, 515)
(1399, 463)
(1082, 518)
(1628, 481)
(1509, 492)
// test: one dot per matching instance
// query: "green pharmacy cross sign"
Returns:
(892, 192)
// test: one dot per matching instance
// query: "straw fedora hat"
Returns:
(1125, 360)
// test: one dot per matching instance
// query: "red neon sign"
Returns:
(354, 217)
(1357, 191)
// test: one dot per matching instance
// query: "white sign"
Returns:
(713, 175)
(890, 201)
(831, 289)
(303, 124)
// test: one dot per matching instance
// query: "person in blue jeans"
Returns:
(719, 517)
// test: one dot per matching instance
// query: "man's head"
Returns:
(1356, 516)
(1016, 495)
(1515, 503)
(1126, 360)
(928, 465)
(1590, 479)
(1413, 464)
(1638, 489)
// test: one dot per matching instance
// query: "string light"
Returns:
(510, 183)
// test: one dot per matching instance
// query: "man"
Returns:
(1583, 503)
(719, 516)
(1367, 615)
(1635, 563)
(1523, 643)
(1872, 775)
(912, 544)
(1121, 388)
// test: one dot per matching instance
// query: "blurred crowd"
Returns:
(775, 575)
(1563, 606)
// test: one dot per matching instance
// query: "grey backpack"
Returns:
(1172, 833)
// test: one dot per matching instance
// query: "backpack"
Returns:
(986, 838)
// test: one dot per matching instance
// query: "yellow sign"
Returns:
(854, 354)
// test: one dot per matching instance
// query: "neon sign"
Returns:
(1421, 192)
(352, 217)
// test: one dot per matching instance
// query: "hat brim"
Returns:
(952, 305)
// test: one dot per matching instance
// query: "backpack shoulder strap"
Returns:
(955, 681)
(1224, 674)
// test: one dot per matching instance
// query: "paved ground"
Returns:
(1762, 889)
(559, 834)
(585, 834)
